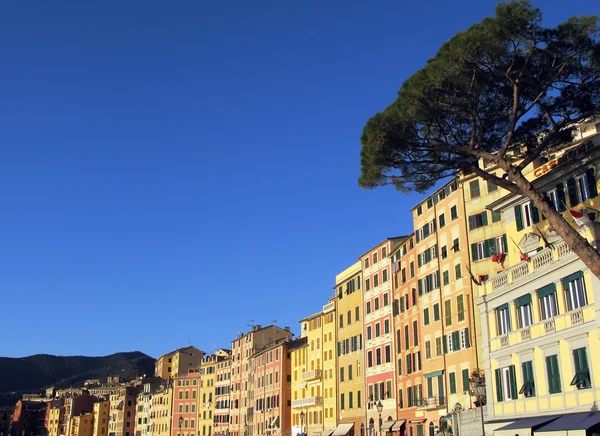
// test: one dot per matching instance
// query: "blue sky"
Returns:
(170, 171)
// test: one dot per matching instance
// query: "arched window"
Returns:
(362, 430)
(371, 427)
(431, 429)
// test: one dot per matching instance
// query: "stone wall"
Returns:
(469, 422)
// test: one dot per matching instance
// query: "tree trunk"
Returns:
(577, 243)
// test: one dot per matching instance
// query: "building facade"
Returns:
(380, 375)
(186, 390)
(222, 395)
(541, 330)
(178, 362)
(122, 412)
(350, 390)
(162, 409)
(101, 416)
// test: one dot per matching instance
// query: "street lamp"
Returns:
(379, 407)
(180, 423)
(302, 415)
(457, 409)
(478, 390)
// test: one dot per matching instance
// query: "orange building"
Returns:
(186, 390)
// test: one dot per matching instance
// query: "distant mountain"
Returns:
(33, 373)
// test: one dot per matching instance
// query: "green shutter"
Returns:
(467, 338)
(499, 396)
(560, 197)
(465, 380)
(474, 252)
(572, 191)
(591, 182)
(445, 344)
(484, 218)
(420, 286)
(512, 381)
(577, 360)
(505, 243)
(452, 383)
(489, 247)
(535, 214)
(523, 300)
(456, 341)
(419, 261)
(546, 290)
(519, 217)
(566, 280)
(339, 348)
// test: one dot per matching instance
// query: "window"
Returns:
(553, 373)
(383, 252)
(438, 346)
(400, 399)
(450, 344)
(399, 366)
(466, 386)
(528, 388)
(341, 321)
(506, 387)
(502, 320)
(556, 197)
(388, 354)
(406, 338)
(386, 299)
(369, 332)
(350, 375)
(477, 221)
(582, 188)
(377, 303)
(368, 284)
(342, 401)
(415, 333)
(420, 210)
(574, 286)
(456, 245)
(460, 307)
(457, 271)
(377, 330)
(342, 374)
(436, 312)
(448, 312)
(427, 349)
(378, 356)
(444, 252)
(491, 186)
(384, 276)
(370, 359)
(368, 307)
(496, 216)
(357, 313)
(547, 299)
(452, 379)
(386, 326)
(446, 278)
(474, 188)
(442, 220)
(526, 215)
(350, 400)
(348, 318)
(374, 258)
(412, 269)
(376, 280)
(426, 316)
(524, 313)
(358, 400)
(453, 213)
(403, 275)
(582, 373)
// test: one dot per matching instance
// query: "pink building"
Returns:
(186, 391)
(379, 335)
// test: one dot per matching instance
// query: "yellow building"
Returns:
(177, 362)
(162, 409)
(82, 425)
(57, 413)
(206, 406)
(101, 413)
(540, 333)
(350, 390)
(311, 411)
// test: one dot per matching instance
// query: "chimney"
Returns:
(286, 328)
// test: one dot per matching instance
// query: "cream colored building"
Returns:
(101, 414)
(162, 409)
(178, 362)
(82, 425)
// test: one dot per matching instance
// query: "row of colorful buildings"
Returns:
(482, 309)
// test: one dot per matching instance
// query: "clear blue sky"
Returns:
(170, 171)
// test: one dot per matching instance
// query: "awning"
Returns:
(343, 429)
(387, 425)
(397, 425)
(325, 433)
(525, 426)
(572, 421)
(433, 374)
(418, 421)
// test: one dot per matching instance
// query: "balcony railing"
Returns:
(539, 261)
(432, 403)
(307, 402)
(504, 341)
(312, 375)
(526, 334)
(576, 317)
(549, 326)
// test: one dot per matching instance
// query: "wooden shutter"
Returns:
(519, 217)
(591, 182)
(572, 192)
(560, 197)
(512, 381)
(474, 252)
(535, 214)
(499, 396)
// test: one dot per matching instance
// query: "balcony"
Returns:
(538, 262)
(307, 402)
(432, 403)
(315, 374)
(545, 327)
